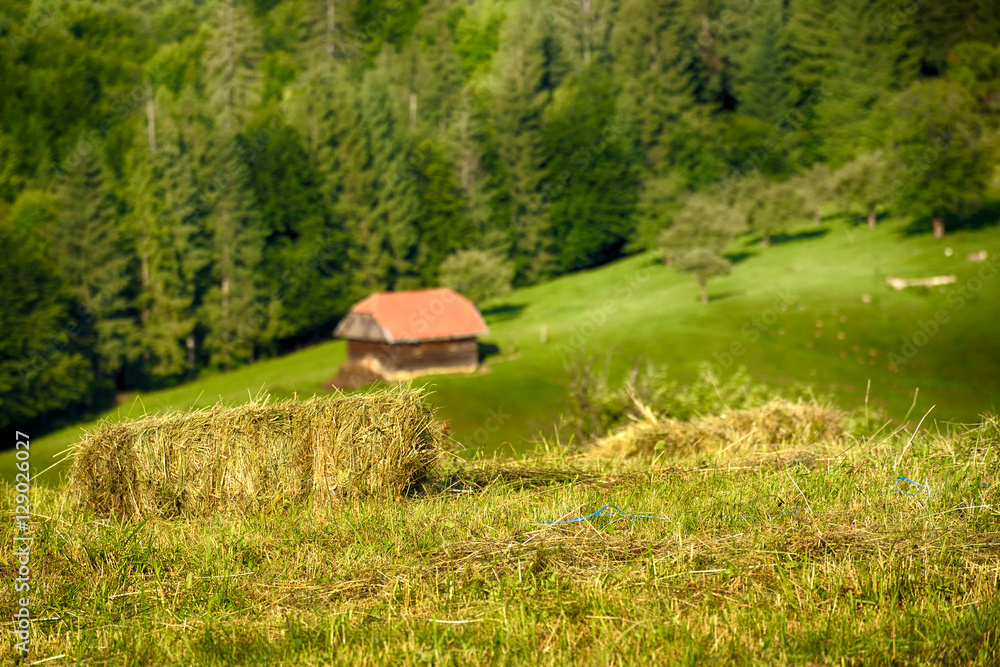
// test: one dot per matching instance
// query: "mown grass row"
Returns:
(809, 554)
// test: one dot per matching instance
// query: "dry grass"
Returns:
(834, 561)
(777, 423)
(258, 456)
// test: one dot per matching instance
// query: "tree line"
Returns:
(189, 185)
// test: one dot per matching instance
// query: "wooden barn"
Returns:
(401, 335)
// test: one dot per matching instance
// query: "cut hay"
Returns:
(258, 456)
(777, 423)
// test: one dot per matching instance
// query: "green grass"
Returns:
(790, 557)
(636, 308)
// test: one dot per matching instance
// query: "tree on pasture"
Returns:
(936, 140)
(700, 232)
(479, 275)
(862, 186)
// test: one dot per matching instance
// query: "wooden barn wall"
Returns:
(416, 356)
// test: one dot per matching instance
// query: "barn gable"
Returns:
(401, 335)
(410, 317)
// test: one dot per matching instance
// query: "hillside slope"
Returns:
(814, 308)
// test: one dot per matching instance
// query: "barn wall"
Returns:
(408, 357)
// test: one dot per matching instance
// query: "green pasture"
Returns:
(812, 309)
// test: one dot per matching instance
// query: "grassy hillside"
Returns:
(814, 308)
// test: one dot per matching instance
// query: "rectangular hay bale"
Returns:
(258, 455)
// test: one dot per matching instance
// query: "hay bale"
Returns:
(258, 455)
(779, 422)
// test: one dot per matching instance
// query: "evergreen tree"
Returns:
(527, 69)
(863, 58)
(96, 260)
(43, 353)
(161, 189)
(653, 60)
(232, 53)
(234, 312)
(943, 24)
(584, 25)
(393, 206)
(305, 247)
(592, 179)
(764, 91)
(441, 222)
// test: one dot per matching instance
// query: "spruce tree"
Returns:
(44, 367)
(591, 176)
(95, 260)
(764, 91)
(161, 189)
(527, 69)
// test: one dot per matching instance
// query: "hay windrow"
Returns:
(259, 455)
(778, 422)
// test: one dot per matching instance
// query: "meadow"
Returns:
(814, 309)
(876, 549)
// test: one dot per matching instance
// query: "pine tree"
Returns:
(160, 193)
(592, 176)
(233, 309)
(393, 204)
(764, 92)
(471, 141)
(584, 26)
(44, 367)
(527, 69)
(95, 260)
(441, 224)
(231, 58)
(305, 253)
(870, 49)
(654, 61)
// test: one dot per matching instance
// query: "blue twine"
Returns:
(793, 511)
(599, 514)
(907, 479)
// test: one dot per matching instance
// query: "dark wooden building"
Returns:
(401, 335)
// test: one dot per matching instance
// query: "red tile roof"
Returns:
(432, 314)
